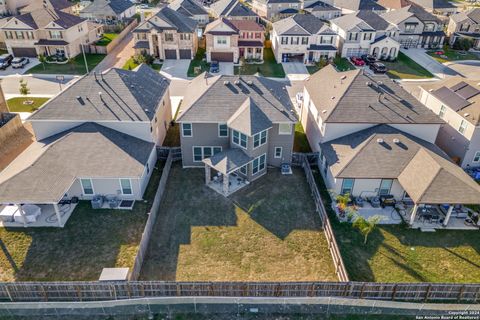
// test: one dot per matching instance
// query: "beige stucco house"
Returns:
(273, 9)
(108, 10)
(466, 25)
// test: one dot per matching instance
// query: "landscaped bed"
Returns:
(449, 55)
(90, 241)
(406, 68)
(77, 67)
(198, 64)
(268, 231)
(131, 64)
(106, 39)
(399, 254)
(269, 67)
(18, 105)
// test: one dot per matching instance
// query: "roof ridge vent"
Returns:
(380, 140)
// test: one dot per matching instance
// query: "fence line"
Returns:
(93, 48)
(152, 217)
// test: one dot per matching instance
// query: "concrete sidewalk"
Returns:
(429, 63)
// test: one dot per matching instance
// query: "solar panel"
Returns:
(467, 92)
(450, 98)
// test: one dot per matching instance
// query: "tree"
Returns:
(71, 62)
(366, 226)
(24, 91)
(41, 57)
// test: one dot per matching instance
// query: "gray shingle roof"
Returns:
(434, 4)
(355, 97)
(374, 20)
(228, 161)
(42, 17)
(301, 24)
(356, 5)
(125, 96)
(383, 152)
(117, 6)
(87, 151)
(169, 19)
(249, 119)
(51, 4)
(216, 99)
(231, 8)
(188, 6)
(320, 6)
(399, 15)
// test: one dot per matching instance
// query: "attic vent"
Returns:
(132, 86)
(146, 110)
(324, 111)
(343, 78)
(466, 114)
(80, 100)
(237, 82)
(380, 140)
(333, 98)
(100, 94)
(396, 141)
(250, 82)
(368, 83)
(379, 83)
(226, 83)
(430, 90)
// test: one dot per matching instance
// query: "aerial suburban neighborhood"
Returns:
(240, 159)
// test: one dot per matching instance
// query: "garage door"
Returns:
(222, 56)
(24, 52)
(356, 52)
(186, 54)
(170, 54)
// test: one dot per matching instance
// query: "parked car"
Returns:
(357, 61)
(214, 67)
(20, 62)
(378, 67)
(5, 61)
(368, 59)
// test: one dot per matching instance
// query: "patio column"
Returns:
(414, 213)
(226, 182)
(449, 213)
(22, 213)
(59, 217)
(207, 174)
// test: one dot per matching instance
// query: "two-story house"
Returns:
(374, 139)
(351, 6)
(167, 35)
(97, 137)
(230, 40)
(465, 25)
(48, 31)
(236, 127)
(303, 38)
(322, 10)
(14, 7)
(440, 7)
(457, 101)
(365, 32)
(191, 9)
(233, 10)
(418, 28)
(108, 10)
(271, 9)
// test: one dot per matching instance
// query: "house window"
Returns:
(295, 40)
(126, 185)
(87, 186)
(222, 40)
(429, 27)
(169, 37)
(285, 128)
(243, 170)
(184, 36)
(200, 153)
(385, 187)
(54, 34)
(222, 130)
(442, 111)
(9, 34)
(259, 164)
(476, 158)
(258, 35)
(304, 40)
(186, 129)
(353, 36)
(367, 36)
(260, 139)
(239, 139)
(347, 186)
(278, 152)
(19, 34)
(410, 27)
(463, 127)
(197, 154)
(284, 40)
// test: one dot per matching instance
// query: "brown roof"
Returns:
(247, 25)
(394, 4)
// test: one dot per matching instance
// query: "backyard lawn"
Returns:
(406, 68)
(78, 66)
(300, 143)
(452, 55)
(17, 105)
(106, 39)
(90, 241)
(269, 67)
(399, 254)
(268, 231)
(198, 61)
(131, 64)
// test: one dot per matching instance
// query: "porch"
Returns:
(39, 215)
(432, 217)
(250, 50)
(58, 48)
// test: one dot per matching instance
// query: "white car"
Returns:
(20, 62)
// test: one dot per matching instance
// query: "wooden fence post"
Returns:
(8, 293)
(427, 293)
(394, 292)
(460, 293)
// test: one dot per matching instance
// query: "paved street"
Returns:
(40, 86)
(119, 56)
(432, 65)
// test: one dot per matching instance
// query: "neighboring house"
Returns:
(303, 38)
(443, 7)
(167, 35)
(228, 41)
(274, 8)
(61, 5)
(465, 25)
(233, 10)
(394, 4)
(236, 127)
(108, 10)
(48, 31)
(350, 6)
(366, 32)
(375, 139)
(322, 10)
(457, 101)
(418, 28)
(191, 9)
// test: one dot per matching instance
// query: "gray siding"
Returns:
(283, 141)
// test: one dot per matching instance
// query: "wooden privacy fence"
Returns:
(93, 48)
(103, 291)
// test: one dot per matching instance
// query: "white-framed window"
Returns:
(442, 111)
(239, 139)
(222, 130)
(87, 186)
(347, 186)
(187, 130)
(385, 187)
(285, 128)
(200, 153)
(284, 40)
(55, 34)
(476, 158)
(259, 164)
(126, 186)
(243, 169)
(278, 152)
(222, 40)
(260, 139)
(463, 127)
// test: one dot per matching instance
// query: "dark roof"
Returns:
(319, 47)
(249, 119)
(117, 6)
(356, 5)
(309, 22)
(42, 17)
(251, 43)
(89, 150)
(288, 11)
(321, 6)
(457, 96)
(141, 45)
(228, 160)
(125, 96)
(51, 4)
(48, 42)
(283, 1)
(168, 19)
(434, 4)
(247, 25)
(188, 7)
(231, 8)
(374, 20)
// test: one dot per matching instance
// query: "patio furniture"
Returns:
(31, 213)
(359, 201)
(375, 202)
(6, 214)
(97, 201)
(387, 200)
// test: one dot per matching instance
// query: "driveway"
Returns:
(119, 56)
(295, 71)
(432, 65)
(226, 68)
(175, 69)
(11, 71)
(39, 85)
(468, 69)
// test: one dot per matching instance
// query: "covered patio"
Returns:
(53, 47)
(38, 215)
(230, 171)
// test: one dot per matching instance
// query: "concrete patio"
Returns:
(47, 218)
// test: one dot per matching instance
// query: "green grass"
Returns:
(130, 65)
(78, 67)
(90, 241)
(343, 64)
(313, 68)
(300, 142)
(16, 104)
(172, 139)
(267, 231)
(106, 39)
(400, 254)
(452, 55)
(198, 61)
(269, 67)
(406, 68)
